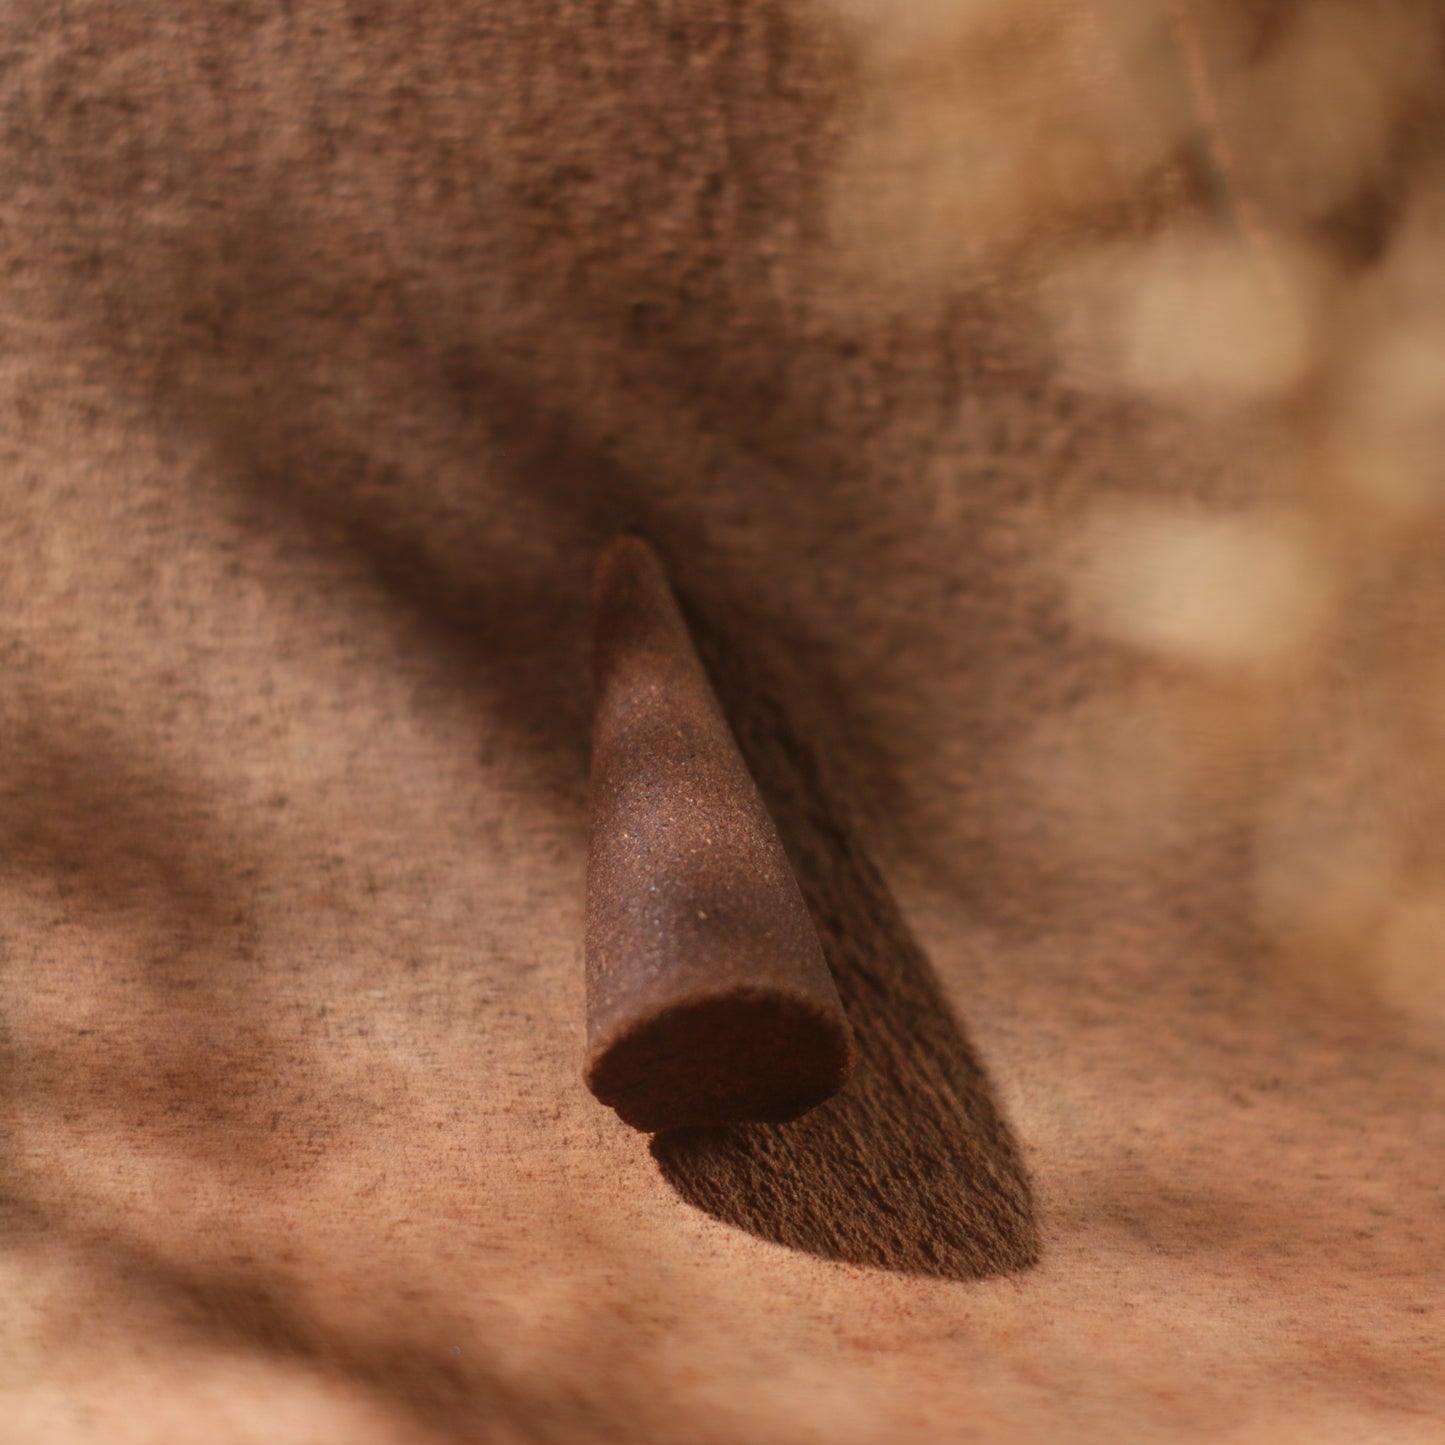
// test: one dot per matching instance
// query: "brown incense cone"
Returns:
(708, 997)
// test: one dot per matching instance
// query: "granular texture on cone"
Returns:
(708, 997)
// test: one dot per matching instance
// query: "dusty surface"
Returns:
(333, 340)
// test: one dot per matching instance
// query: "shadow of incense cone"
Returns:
(708, 997)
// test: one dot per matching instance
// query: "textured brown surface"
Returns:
(708, 998)
(336, 340)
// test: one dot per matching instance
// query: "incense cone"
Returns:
(708, 997)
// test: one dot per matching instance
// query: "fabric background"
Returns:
(334, 339)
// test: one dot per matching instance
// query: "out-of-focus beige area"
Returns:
(1037, 403)
(1300, 312)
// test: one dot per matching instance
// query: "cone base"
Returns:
(739, 1059)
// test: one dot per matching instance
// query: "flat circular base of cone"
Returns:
(733, 1060)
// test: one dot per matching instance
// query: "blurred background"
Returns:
(1233, 213)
